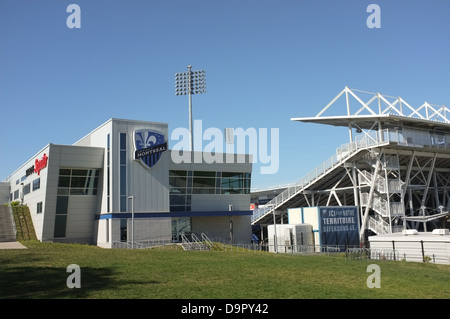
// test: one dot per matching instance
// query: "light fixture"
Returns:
(188, 83)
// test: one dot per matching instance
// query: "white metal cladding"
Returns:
(149, 186)
(417, 247)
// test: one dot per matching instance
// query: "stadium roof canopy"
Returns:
(389, 112)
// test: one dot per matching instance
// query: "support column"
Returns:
(369, 202)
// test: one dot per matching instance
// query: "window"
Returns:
(16, 194)
(62, 204)
(180, 190)
(185, 183)
(39, 208)
(235, 183)
(27, 189)
(108, 174)
(204, 182)
(78, 181)
(180, 225)
(123, 229)
(36, 184)
(123, 172)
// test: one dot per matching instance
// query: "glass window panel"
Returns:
(123, 180)
(177, 200)
(83, 191)
(63, 191)
(39, 208)
(94, 182)
(77, 191)
(123, 157)
(203, 190)
(60, 226)
(232, 191)
(123, 141)
(78, 182)
(79, 172)
(175, 190)
(90, 182)
(64, 171)
(175, 208)
(204, 182)
(178, 173)
(123, 203)
(123, 229)
(62, 202)
(232, 174)
(27, 189)
(36, 184)
(64, 181)
(177, 181)
(204, 174)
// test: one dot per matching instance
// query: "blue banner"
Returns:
(339, 226)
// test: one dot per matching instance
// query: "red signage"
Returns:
(40, 164)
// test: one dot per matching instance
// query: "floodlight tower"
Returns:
(190, 82)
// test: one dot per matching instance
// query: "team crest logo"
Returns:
(149, 146)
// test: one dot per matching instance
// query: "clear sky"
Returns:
(266, 61)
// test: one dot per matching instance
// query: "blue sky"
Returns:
(265, 62)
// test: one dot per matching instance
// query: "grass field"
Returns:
(40, 272)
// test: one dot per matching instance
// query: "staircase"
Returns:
(7, 229)
(343, 153)
(192, 241)
(382, 203)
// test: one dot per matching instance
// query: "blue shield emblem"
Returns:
(149, 146)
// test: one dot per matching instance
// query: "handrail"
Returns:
(209, 242)
(185, 240)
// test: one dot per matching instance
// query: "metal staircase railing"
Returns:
(382, 206)
(343, 153)
(394, 185)
(211, 244)
(378, 226)
(196, 243)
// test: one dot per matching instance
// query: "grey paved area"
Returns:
(11, 245)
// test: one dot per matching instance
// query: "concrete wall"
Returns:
(151, 229)
(220, 202)
(218, 228)
(4, 193)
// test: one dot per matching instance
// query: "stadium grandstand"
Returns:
(395, 168)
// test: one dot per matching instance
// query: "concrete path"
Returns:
(12, 245)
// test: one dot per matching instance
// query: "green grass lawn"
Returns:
(40, 272)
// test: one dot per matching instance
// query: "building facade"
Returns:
(121, 183)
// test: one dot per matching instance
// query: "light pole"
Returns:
(132, 220)
(190, 82)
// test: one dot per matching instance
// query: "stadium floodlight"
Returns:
(188, 83)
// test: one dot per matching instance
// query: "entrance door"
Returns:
(180, 225)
